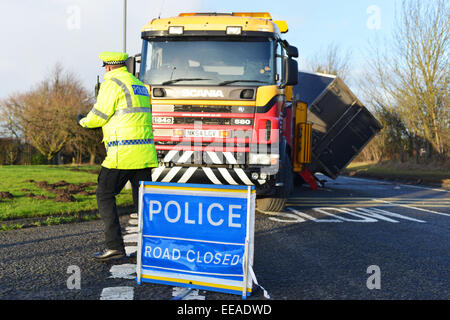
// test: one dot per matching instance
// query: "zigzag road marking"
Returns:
(345, 202)
(339, 215)
(186, 294)
(124, 271)
(117, 293)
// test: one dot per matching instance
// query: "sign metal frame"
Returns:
(191, 277)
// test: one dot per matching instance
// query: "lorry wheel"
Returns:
(276, 204)
(270, 205)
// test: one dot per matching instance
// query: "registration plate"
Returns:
(202, 133)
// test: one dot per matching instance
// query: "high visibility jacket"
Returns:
(123, 110)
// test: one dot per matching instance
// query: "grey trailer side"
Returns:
(342, 126)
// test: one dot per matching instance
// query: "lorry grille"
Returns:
(206, 108)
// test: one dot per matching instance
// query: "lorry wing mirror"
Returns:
(292, 51)
(291, 67)
(131, 65)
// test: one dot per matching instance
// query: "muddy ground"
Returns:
(63, 190)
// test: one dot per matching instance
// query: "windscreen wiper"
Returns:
(181, 79)
(232, 81)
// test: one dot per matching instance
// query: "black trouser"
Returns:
(110, 183)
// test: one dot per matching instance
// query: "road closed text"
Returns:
(192, 256)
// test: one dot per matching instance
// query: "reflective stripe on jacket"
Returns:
(123, 110)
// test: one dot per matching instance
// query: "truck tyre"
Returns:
(276, 203)
(270, 205)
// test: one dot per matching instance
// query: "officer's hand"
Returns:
(79, 117)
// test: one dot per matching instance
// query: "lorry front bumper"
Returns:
(215, 175)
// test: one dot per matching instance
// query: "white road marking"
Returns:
(192, 295)
(130, 250)
(380, 214)
(133, 222)
(363, 214)
(347, 211)
(307, 216)
(123, 271)
(278, 217)
(132, 237)
(131, 229)
(363, 201)
(117, 293)
(411, 207)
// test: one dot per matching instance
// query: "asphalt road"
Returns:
(352, 239)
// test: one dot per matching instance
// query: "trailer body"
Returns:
(341, 124)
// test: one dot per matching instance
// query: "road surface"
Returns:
(351, 239)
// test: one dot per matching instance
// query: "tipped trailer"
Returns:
(341, 125)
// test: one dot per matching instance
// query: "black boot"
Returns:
(109, 254)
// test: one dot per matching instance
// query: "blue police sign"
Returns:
(196, 235)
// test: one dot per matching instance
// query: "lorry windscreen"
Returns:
(208, 61)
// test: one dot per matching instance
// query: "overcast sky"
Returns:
(36, 34)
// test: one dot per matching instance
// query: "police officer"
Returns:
(123, 111)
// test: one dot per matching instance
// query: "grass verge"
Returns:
(27, 201)
(432, 174)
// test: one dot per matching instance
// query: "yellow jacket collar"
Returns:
(115, 72)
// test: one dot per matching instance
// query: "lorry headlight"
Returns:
(264, 159)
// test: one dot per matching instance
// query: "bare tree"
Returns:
(45, 116)
(9, 150)
(333, 60)
(85, 141)
(411, 75)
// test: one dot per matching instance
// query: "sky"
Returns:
(37, 34)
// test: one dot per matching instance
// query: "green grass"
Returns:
(13, 179)
(432, 173)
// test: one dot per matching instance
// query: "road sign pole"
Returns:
(139, 244)
(245, 263)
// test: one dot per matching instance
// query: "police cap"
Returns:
(113, 58)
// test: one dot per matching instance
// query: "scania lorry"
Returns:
(229, 106)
